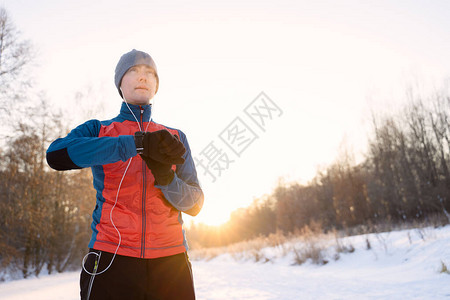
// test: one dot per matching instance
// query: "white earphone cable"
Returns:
(112, 222)
(112, 209)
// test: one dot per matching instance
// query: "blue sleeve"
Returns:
(83, 148)
(184, 192)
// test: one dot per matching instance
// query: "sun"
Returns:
(213, 214)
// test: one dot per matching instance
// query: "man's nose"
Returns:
(142, 77)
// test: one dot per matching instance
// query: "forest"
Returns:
(45, 215)
(403, 178)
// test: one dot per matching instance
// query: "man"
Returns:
(145, 177)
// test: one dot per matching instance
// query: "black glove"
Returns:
(162, 172)
(164, 147)
(160, 151)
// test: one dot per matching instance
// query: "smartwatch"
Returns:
(139, 142)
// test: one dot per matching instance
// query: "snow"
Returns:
(399, 265)
(62, 287)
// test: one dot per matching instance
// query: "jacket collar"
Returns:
(136, 109)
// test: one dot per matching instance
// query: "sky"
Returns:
(312, 71)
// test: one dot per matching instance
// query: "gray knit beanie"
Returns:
(131, 59)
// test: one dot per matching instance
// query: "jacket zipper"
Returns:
(144, 192)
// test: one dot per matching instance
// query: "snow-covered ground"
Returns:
(399, 265)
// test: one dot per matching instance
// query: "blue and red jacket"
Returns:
(148, 216)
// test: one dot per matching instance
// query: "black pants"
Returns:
(137, 279)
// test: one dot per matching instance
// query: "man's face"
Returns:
(139, 85)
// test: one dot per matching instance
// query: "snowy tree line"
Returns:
(404, 177)
(44, 215)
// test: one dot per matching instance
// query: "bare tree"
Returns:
(15, 55)
(45, 214)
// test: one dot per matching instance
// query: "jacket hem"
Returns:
(136, 251)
